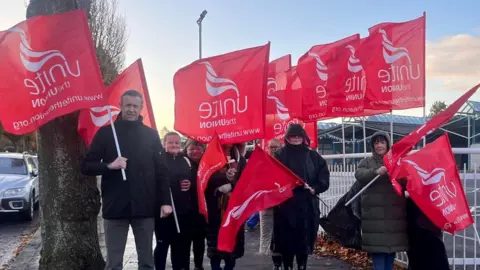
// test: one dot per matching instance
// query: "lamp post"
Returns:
(199, 22)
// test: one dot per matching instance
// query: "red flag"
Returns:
(264, 183)
(133, 77)
(393, 56)
(212, 160)
(293, 93)
(278, 65)
(435, 186)
(49, 68)
(406, 144)
(314, 74)
(348, 83)
(275, 127)
(276, 86)
(223, 94)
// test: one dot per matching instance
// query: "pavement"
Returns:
(29, 257)
(13, 233)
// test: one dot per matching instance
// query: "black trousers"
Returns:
(215, 262)
(289, 257)
(427, 251)
(179, 243)
(198, 241)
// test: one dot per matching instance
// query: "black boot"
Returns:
(302, 262)
(277, 262)
(287, 261)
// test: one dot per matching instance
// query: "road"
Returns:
(12, 232)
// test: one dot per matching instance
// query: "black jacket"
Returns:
(147, 176)
(180, 169)
(296, 221)
(427, 250)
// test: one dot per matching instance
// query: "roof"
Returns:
(326, 125)
(398, 119)
(11, 155)
(475, 105)
(15, 155)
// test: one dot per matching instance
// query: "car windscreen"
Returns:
(13, 166)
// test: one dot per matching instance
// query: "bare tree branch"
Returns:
(110, 37)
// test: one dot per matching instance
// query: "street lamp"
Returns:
(199, 22)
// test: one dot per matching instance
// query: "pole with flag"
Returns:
(400, 149)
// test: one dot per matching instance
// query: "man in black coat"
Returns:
(145, 192)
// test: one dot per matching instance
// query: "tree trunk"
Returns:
(69, 201)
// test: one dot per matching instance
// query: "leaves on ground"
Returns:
(358, 259)
(26, 238)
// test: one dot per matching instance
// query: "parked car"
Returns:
(19, 187)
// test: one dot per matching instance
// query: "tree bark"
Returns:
(69, 201)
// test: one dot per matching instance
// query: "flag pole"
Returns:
(362, 190)
(424, 121)
(424, 72)
(343, 144)
(115, 138)
(391, 127)
(174, 212)
(364, 139)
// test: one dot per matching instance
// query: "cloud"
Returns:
(455, 61)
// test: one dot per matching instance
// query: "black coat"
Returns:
(296, 221)
(427, 251)
(147, 176)
(180, 169)
(217, 203)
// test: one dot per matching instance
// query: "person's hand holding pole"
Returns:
(309, 188)
(165, 211)
(120, 163)
(382, 170)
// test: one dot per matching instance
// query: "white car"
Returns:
(19, 187)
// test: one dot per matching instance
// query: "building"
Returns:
(462, 130)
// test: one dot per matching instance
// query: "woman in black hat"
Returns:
(296, 221)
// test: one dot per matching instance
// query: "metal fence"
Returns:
(462, 249)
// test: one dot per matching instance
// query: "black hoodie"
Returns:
(147, 176)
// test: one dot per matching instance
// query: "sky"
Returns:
(165, 35)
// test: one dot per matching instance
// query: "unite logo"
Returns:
(282, 110)
(48, 80)
(357, 82)
(221, 112)
(280, 128)
(322, 72)
(100, 115)
(397, 77)
(440, 194)
(238, 210)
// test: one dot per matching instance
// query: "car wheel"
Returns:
(29, 213)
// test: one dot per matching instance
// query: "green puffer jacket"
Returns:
(384, 216)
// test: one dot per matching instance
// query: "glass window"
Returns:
(31, 164)
(13, 166)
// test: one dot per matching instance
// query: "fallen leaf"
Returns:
(358, 259)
